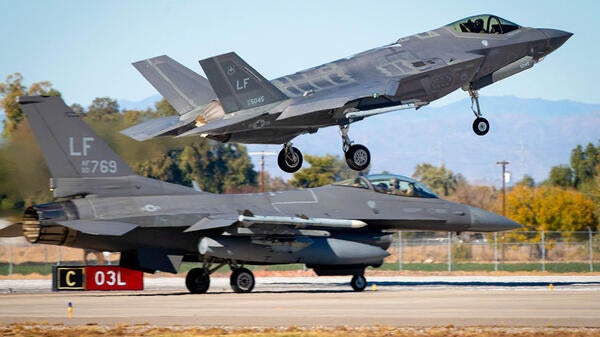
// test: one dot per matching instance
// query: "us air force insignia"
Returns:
(230, 70)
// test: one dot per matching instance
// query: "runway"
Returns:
(328, 302)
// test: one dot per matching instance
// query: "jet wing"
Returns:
(222, 125)
(337, 98)
(213, 221)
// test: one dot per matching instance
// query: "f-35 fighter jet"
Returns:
(339, 229)
(237, 104)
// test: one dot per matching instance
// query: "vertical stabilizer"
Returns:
(237, 84)
(80, 162)
(184, 89)
(70, 147)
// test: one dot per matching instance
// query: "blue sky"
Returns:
(85, 48)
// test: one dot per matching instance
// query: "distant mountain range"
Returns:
(533, 134)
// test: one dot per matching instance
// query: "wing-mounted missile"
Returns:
(249, 220)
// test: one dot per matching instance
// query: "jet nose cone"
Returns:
(484, 221)
(556, 38)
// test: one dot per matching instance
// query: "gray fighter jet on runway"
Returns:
(339, 229)
(238, 104)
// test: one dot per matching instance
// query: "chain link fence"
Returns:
(422, 251)
(512, 251)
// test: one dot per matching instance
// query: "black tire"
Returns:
(197, 281)
(358, 157)
(291, 162)
(242, 280)
(358, 282)
(481, 126)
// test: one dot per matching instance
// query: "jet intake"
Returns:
(516, 67)
(39, 223)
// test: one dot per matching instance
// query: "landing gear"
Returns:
(358, 282)
(289, 159)
(357, 156)
(197, 280)
(242, 280)
(480, 126)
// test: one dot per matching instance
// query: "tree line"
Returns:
(569, 200)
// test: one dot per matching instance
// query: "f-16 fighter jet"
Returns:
(237, 104)
(338, 229)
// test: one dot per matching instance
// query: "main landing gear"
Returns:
(357, 156)
(480, 125)
(197, 280)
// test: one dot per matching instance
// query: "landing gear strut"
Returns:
(289, 159)
(480, 126)
(197, 280)
(357, 156)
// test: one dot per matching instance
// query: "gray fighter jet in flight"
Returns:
(238, 104)
(338, 229)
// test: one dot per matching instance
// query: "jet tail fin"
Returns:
(184, 89)
(70, 147)
(80, 162)
(237, 85)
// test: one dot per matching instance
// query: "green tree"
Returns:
(323, 170)
(439, 179)
(104, 109)
(164, 109)
(527, 180)
(585, 165)
(561, 176)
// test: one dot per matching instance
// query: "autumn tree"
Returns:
(547, 208)
(10, 91)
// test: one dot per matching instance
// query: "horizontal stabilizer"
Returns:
(11, 231)
(93, 227)
(237, 85)
(184, 89)
(155, 128)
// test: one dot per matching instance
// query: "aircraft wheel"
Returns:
(358, 157)
(291, 161)
(481, 126)
(197, 280)
(358, 282)
(242, 280)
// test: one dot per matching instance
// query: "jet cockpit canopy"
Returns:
(390, 184)
(484, 24)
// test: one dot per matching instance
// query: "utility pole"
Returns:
(262, 166)
(503, 163)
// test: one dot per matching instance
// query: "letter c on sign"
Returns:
(70, 274)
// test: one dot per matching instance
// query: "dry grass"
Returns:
(58, 330)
